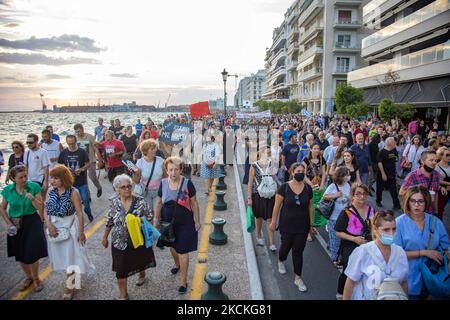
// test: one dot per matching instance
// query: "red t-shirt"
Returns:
(114, 146)
(154, 135)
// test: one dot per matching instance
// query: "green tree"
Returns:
(346, 95)
(357, 110)
(387, 110)
(406, 111)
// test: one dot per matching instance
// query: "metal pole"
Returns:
(225, 97)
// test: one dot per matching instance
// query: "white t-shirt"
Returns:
(53, 152)
(146, 169)
(36, 161)
(340, 203)
(364, 270)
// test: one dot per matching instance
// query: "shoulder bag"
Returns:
(326, 207)
(166, 227)
(138, 188)
(435, 277)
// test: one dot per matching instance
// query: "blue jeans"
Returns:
(335, 241)
(84, 194)
(364, 178)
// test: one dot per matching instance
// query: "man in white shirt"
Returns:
(37, 162)
(330, 150)
(52, 147)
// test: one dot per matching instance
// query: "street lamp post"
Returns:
(225, 77)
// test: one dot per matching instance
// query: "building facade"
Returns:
(409, 55)
(250, 90)
(323, 44)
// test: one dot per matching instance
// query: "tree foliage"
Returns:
(406, 111)
(387, 110)
(350, 101)
(280, 107)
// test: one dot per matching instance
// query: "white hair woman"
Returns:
(127, 260)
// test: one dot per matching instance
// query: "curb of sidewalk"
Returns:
(252, 266)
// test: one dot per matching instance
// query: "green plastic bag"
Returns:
(250, 220)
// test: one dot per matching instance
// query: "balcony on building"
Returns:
(427, 63)
(293, 34)
(309, 9)
(432, 17)
(355, 3)
(281, 70)
(315, 72)
(312, 51)
(343, 70)
(279, 39)
(311, 31)
(376, 9)
(347, 24)
(276, 56)
(293, 49)
(343, 47)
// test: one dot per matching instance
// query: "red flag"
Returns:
(199, 109)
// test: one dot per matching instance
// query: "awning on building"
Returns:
(303, 64)
(423, 93)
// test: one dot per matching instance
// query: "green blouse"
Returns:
(18, 205)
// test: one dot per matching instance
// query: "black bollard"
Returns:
(215, 281)
(221, 184)
(218, 236)
(222, 170)
(220, 204)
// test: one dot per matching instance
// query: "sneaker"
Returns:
(99, 193)
(273, 248)
(300, 284)
(281, 267)
(91, 218)
(339, 296)
(260, 242)
(182, 289)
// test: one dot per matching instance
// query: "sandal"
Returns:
(140, 281)
(38, 286)
(26, 284)
(310, 239)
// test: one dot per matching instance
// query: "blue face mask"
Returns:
(387, 239)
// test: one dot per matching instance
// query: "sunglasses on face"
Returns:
(30, 142)
(16, 147)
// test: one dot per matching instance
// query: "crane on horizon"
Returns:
(44, 106)
(167, 102)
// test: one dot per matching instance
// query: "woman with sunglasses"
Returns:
(339, 192)
(353, 227)
(413, 234)
(126, 260)
(15, 158)
(365, 261)
(443, 168)
(296, 220)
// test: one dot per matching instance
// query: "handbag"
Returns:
(63, 226)
(326, 207)
(436, 278)
(404, 164)
(166, 227)
(250, 220)
(17, 222)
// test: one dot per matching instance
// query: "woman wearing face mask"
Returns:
(413, 234)
(296, 220)
(353, 227)
(339, 192)
(209, 169)
(380, 252)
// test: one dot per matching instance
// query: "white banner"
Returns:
(257, 116)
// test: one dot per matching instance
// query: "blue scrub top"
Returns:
(410, 238)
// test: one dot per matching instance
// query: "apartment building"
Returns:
(250, 90)
(275, 66)
(323, 43)
(409, 55)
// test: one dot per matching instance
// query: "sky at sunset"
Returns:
(120, 51)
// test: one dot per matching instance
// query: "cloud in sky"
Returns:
(33, 59)
(124, 75)
(11, 25)
(65, 42)
(57, 77)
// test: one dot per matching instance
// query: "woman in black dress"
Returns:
(15, 158)
(177, 200)
(296, 220)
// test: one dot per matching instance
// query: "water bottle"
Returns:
(12, 231)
